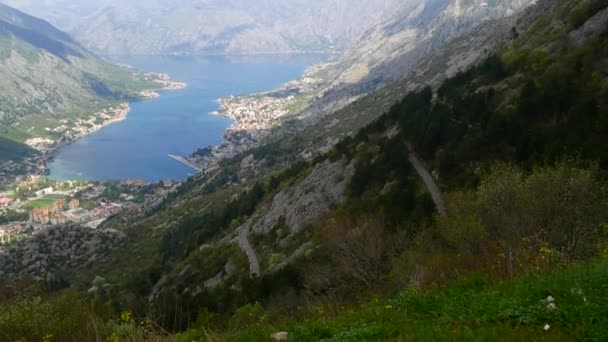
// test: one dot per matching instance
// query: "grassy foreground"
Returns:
(568, 305)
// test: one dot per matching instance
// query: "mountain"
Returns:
(438, 204)
(211, 26)
(48, 81)
(388, 51)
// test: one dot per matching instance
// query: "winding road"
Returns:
(429, 182)
(254, 263)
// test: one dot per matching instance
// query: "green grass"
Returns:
(43, 202)
(470, 310)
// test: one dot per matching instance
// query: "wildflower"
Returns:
(125, 317)
(47, 338)
(113, 338)
(388, 307)
(547, 327)
(550, 303)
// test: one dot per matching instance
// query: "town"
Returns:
(256, 115)
(37, 203)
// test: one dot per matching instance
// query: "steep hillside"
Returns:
(515, 145)
(211, 26)
(48, 81)
(391, 49)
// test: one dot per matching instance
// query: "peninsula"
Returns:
(255, 116)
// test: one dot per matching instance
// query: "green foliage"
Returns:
(194, 231)
(585, 10)
(61, 317)
(571, 303)
(558, 110)
(13, 216)
(518, 224)
(11, 150)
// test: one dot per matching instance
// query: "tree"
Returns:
(559, 208)
(568, 204)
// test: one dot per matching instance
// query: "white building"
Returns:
(46, 191)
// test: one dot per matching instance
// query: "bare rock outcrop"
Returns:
(306, 201)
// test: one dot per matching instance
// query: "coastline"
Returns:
(95, 122)
(254, 116)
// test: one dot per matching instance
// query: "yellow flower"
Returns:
(125, 316)
(113, 338)
(388, 307)
(546, 250)
(47, 338)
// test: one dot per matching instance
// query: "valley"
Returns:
(441, 178)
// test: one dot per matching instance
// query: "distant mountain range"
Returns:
(48, 80)
(211, 26)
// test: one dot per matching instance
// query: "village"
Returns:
(38, 203)
(255, 116)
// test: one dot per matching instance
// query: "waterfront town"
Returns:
(255, 116)
(35, 164)
(37, 203)
(34, 202)
(30, 202)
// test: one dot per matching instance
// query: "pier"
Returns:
(185, 162)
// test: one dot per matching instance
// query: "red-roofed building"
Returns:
(5, 202)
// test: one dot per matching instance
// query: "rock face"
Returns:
(306, 201)
(391, 49)
(55, 251)
(211, 26)
(590, 28)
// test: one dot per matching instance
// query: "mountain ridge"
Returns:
(49, 81)
(231, 27)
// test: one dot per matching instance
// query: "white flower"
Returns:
(550, 299)
(551, 306)
(547, 327)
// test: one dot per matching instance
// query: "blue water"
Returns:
(178, 122)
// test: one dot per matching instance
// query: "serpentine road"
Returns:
(254, 263)
(429, 182)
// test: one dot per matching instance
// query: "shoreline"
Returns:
(255, 115)
(48, 149)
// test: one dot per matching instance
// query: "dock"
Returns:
(185, 162)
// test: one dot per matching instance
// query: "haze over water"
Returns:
(178, 122)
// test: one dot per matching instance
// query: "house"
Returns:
(78, 215)
(58, 205)
(59, 219)
(74, 204)
(47, 191)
